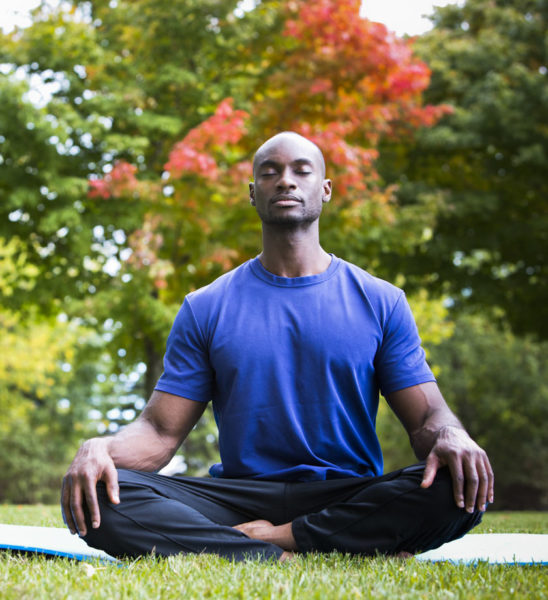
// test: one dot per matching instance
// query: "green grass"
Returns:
(307, 577)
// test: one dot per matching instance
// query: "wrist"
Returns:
(426, 438)
(451, 429)
(98, 445)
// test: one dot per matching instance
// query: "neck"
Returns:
(293, 253)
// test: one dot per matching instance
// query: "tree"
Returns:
(127, 83)
(480, 171)
(497, 383)
(45, 411)
(134, 191)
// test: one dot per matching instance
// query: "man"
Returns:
(292, 348)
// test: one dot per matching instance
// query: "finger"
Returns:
(76, 509)
(431, 468)
(111, 481)
(65, 506)
(483, 486)
(472, 484)
(92, 503)
(455, 467)
(491, 477)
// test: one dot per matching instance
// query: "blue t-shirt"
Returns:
(294, 367)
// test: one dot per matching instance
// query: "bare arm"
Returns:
(146, 444)
(437, 435)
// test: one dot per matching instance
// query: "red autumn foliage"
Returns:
(185, 159)
(340, 51)
(352, 160)
(343, 81)
(347, 83)
(192, 154)
(119, 182)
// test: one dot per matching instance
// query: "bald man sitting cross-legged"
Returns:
(292, 348)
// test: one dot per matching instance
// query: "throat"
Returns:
(296, 266)
(293, 252)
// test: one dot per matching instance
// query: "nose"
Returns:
(286, 180)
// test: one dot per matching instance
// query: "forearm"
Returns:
(140, 446)
(151, 440)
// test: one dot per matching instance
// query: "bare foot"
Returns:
(255, 529)
(281, 535)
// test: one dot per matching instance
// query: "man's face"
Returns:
(289, 187)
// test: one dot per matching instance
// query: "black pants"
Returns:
(386, 515)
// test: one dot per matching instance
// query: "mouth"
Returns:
(286, 200)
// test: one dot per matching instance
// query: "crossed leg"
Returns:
(390, 515)
(167, 515)
(242, 519)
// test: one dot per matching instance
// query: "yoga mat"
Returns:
(54, 541)
(494, 548)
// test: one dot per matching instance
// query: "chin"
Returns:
(289, 219)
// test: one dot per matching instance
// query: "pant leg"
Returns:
(168, 515)
(387, 515)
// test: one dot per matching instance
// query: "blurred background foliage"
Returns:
(126, 134)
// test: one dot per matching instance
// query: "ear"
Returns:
(252, 194)
(326, 190)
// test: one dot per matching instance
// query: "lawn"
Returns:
(307, 577)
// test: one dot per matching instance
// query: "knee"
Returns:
(131, 490)
(119, 533)
(438, 518)
(444, 508)
(442, 498)
(442, 487)
(113, 523)
(112, 532)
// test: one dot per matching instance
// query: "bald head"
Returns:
(308, 148)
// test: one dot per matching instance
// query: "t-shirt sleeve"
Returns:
(187, 370)
(400, 360)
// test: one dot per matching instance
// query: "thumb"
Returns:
(431, 468)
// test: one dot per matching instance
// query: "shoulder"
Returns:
(210, 301)
(220, 286)
(377, 289)
(381, 297)
(352, 270)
